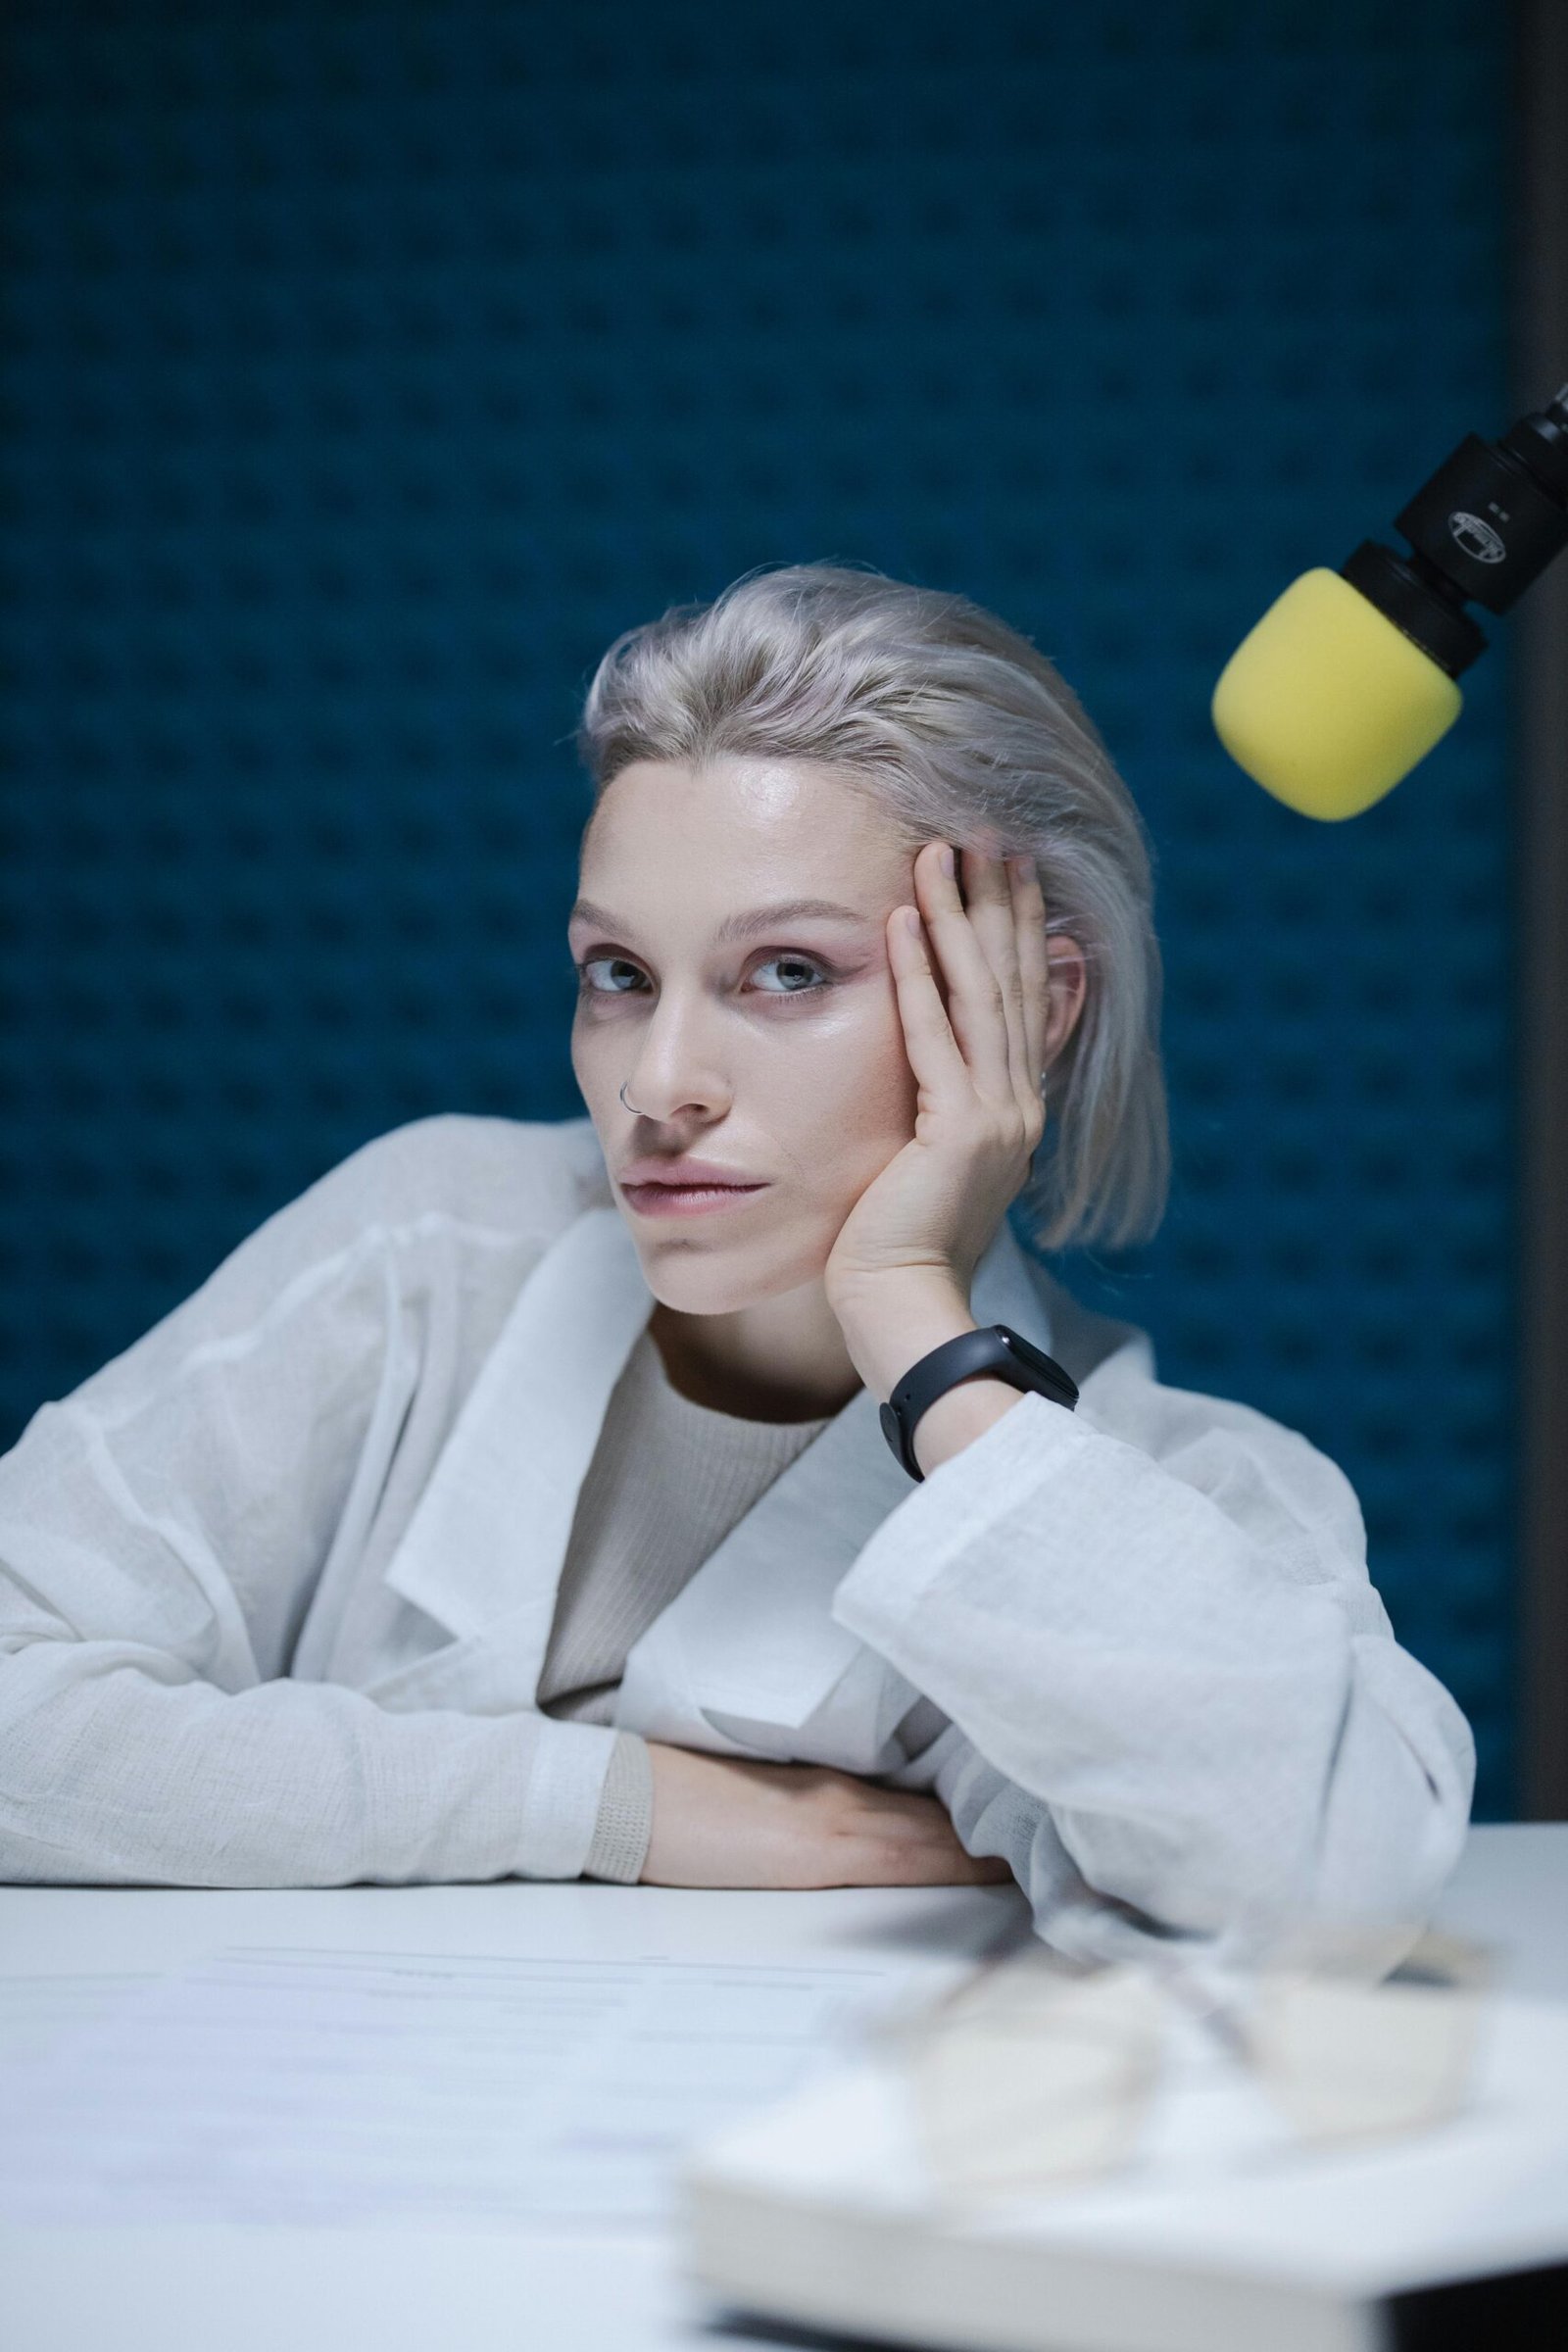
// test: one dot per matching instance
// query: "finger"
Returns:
(880, 1812)
(988, 897)
(977, 1011)
(935, 1055)
(918, 1822)
(918, 1826)
(897, 1863)
(1034, 964)
(986, 1870)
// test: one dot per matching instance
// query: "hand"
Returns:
(977, 1061)
(726, 1820)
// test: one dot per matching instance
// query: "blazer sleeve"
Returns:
(1175, 1701)
(163, 1533)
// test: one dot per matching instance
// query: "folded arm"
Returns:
(167, 1533)
(119, 1766)
(1176, 1704)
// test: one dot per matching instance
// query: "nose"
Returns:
(676, 1068)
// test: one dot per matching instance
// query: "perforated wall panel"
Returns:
(368, 368)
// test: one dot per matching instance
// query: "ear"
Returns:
(1068, 992)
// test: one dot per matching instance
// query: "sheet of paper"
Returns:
(329, 2086)
(38, 2014)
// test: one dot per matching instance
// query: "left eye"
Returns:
(800, 963)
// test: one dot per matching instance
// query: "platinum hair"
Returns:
(959, 730)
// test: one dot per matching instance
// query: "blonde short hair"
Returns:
(962, 730)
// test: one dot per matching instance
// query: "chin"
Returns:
(718, 1280)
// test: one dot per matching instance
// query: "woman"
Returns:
(500, 1508)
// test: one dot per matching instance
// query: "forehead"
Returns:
(733, 820)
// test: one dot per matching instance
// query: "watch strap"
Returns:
(995, 1350)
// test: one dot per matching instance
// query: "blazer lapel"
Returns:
(483, 1551)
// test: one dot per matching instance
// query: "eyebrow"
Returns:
(741, 926)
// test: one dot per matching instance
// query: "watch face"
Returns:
(1016, 1345)
(1038, 1361)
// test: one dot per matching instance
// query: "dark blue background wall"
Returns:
(370, 367)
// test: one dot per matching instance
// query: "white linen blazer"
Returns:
(275, 1586)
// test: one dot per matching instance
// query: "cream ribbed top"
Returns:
(668, 1480)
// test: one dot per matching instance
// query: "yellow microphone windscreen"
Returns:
(1326, 703)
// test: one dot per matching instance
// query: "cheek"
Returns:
(598, 1073)
(589, 1059)
(855, 1091)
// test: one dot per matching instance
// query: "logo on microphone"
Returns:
(1478, 539)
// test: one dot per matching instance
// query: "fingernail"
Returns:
(947, 860)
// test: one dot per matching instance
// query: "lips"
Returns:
(685, 1175)
(663, 1189)
(687, 1191)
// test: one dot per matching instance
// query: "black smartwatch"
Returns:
(995, 1349)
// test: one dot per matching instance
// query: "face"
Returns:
(769, 1044)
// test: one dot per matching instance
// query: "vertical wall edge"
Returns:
(1541, 364)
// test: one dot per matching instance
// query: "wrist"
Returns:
(891, 1320)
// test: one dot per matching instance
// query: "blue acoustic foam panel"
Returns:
(368, 368)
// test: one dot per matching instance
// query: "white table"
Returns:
(229, 2289)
